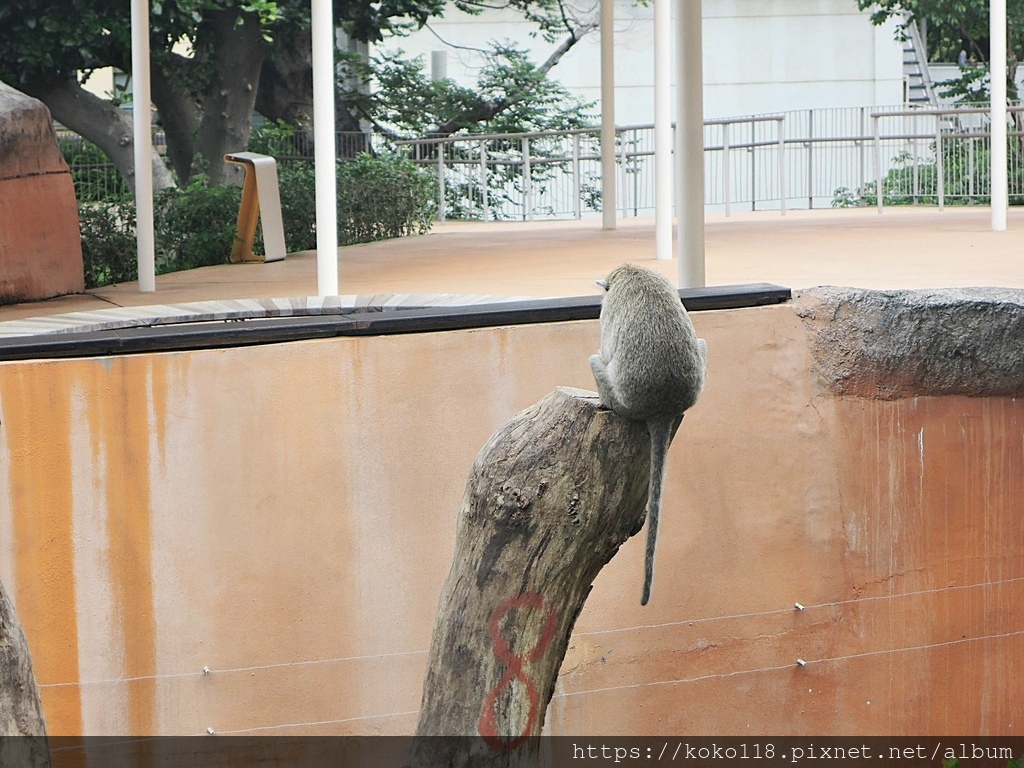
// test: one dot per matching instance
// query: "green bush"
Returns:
(383, 197)
(108, 242)
(378, 198)
(195, 226)
(297, 186)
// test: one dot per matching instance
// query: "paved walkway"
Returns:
(902, 248)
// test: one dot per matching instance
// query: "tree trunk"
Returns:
(179, 112)
(286, 90)
(549, 501)
(20, 711)
(98, 120)
(286, 81)
(230, 96)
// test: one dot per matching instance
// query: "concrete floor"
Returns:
(902, 248)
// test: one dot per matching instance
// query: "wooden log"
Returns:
(21, 713)
(549, 501)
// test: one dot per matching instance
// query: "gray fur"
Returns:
(651, 368)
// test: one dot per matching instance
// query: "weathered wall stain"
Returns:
(35, 411)
(120, 428)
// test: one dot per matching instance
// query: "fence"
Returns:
(800, 159)
(97, 179)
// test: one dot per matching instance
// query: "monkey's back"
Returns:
(651, 349)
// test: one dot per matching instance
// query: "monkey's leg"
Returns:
(604, 384)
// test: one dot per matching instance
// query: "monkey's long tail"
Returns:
(662, 430)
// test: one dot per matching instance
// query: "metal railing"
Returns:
(955, 155)
(801, 159)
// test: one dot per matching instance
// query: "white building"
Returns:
(759, 55)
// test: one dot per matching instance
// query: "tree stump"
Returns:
(549, 501)
(21, 713)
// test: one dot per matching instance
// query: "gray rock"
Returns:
(892, 344)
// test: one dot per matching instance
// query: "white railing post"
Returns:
(970, 169)
(878, 161)
(527, 180)
(810, 160)
(726, 170)
(624, 174)
(485, 200)
(863, 149)
(753, 166)
(940, 181)
(440, 181)
(577, 207)
(782, 164)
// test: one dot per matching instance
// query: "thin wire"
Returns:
(632, 686)
(731, 617)
(917, 647)
(280, 665)
(673, 682)
(808, 607)
(789, 666)
(316, 722)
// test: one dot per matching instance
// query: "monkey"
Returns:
(651, 367)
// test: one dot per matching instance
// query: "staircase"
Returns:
(920, 91)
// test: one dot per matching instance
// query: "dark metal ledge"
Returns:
(235, 332)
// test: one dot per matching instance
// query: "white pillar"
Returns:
(324, 156)
(608, 114)
(143, 145)
(690, 143)
(663, 175)
(997, 86)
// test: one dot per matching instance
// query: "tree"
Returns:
(205, 100)
(955, 25)
(512, 95)
(206, 97)
(509, 81)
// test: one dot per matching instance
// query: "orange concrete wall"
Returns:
(285, 516)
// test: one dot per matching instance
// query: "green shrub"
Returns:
(195, 226)
(383, 197)
(297, 186)
(378, 198)
(108, 242)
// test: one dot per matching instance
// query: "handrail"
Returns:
(924, 112)
(574, 131)
(919, 50)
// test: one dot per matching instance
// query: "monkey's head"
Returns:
(630, 273)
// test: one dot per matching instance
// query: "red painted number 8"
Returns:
(514, 662)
